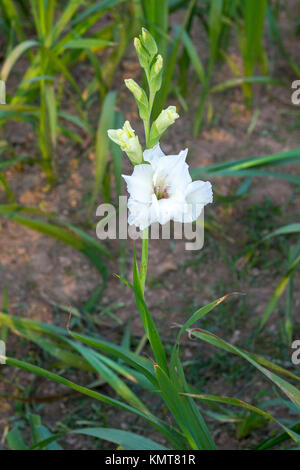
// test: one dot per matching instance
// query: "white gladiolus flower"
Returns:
(163, 190)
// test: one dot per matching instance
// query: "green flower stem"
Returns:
(151, 101)
(147, 131)
(147, 122)
(144, 261)
(143, 275)
(145, 237)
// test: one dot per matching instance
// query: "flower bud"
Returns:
(149, 42)
(128, 142)
(166, 118)
(156, 74)
(137, 45)
(140, 96)
(135, 89)
(158, 65)
(141, 53)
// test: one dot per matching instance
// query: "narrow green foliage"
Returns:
(251, 36)
(106, 121)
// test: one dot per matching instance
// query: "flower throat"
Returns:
(161, 192)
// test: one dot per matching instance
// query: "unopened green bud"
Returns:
(149, 42)
(140, 96)
(128, 142)
(137, 44)
(156, 74)
(158, 64)
(141, 53)
(135, 89)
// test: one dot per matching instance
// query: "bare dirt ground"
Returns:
(40, 272)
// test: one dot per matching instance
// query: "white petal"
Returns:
(169, 209)
(153, 155)
(165, 211)
(199, 193)
(175, 171)
(154, 209)
(139, 184)
(139, 214)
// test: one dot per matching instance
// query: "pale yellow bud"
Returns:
(128, 142)
(142, 54)
(134, 88)
(158, 64)
(166, 118)
(137, 44)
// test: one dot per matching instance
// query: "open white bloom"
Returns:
(163, 190)
(128, 141)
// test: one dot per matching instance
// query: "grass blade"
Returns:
(106, 122)
(148, 322)
(14, 56)
(292, 392)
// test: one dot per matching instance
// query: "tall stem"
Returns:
(145, 236)
(147, 131)
(144, 261)
(143, 275)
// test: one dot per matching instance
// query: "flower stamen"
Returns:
(161, 192)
